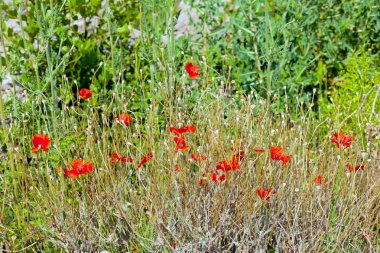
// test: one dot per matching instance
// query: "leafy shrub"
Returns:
(356, 93)
(63, 43)
(281, 48)
(286, 47)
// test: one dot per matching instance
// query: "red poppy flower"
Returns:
(40, 141)
(351, 168)
(341, 139)
(181, 143)
(192, 70)
(85, 93)
(285, 159)
(231, 164)
(77, 164)
(69, 173)
(116, 157)
(145, 159)
(184, 129)
(214, 177)
(87, 167)
(359, 167)
(223, 166)
(177, 168)
(80, 167)
(257, 150)
(123, 119)
(227, 165)
(319, 180)
(265, 194)
(199, 157)
(276, 153)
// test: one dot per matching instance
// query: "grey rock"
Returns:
(7, 89)
(6, 121)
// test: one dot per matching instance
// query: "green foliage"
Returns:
(285, 47)
(269, 47)
(355, 91)
(74, 38)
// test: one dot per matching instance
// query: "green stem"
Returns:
(6, 137)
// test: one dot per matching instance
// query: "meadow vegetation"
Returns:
(278, 140)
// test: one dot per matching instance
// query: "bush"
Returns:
(68, 44)
(356, 93)
(286, 47)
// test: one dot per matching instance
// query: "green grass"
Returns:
(118, 207)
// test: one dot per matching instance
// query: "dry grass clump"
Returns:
(159, 209)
